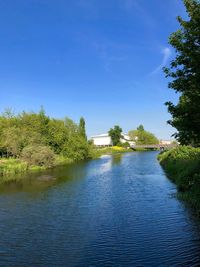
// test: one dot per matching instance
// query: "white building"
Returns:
(165, 142)
(102, 140)
(105, 140)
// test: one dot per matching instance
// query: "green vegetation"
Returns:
(97, 152)
(34, 140)
(12, 166)
(38, 155)
(81, 128)
(184, 74)
(115, 134)
(142, 137)
(182, 164)
(124, 145)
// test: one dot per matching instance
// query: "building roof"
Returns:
(100, 135)
(125, 136)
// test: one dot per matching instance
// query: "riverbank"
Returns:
(115, 150)
(9, 167)
(98, 152)
(182, 165)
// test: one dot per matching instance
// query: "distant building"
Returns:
(165, 142)
(126, 138)
(105, 140)
(102, 140)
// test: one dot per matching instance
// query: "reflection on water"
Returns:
(105, 166)
(106, 163)
(117, 159)
(114, 211)
(39, 181)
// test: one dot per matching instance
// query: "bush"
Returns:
(77, 148)
(182, 164)
(39, 155)
(125, 145)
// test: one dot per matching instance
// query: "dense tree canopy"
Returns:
(115, 134)
(143, 137)
(184, 72)
(19, 134)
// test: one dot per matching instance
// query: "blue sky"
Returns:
(100, 59)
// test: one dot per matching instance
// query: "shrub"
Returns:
(117, 148)
(77, 148)
(183, 166)
(125, 145)
(39, 155)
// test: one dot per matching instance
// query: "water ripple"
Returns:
(114, 211)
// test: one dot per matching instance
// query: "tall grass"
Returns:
(182, 165)
(61, 160)
(10, 167)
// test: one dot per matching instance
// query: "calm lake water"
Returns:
(114, 211)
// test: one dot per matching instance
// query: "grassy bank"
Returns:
(35, 141)
(9, 167)
(97, 152)
(114, 150)
(12, 166)
(182, 165)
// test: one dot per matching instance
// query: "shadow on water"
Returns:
(42, 180)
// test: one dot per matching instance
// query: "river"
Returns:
(118, 210)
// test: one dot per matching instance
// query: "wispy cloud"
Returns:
(166, 55)
(109, 53)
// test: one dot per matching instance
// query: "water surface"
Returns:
(114, 211)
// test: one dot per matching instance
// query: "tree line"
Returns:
(140, 136)
(143, 137)
(37, 138)
(184, 74)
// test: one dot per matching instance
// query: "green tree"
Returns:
(29, 130)
(82, 130)
(143, 137)
(115, 134)
(76, 148)
(70, 126)
(12, 141)
(140, 128)
(184, 73)
(57, 135)
(32, 122)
